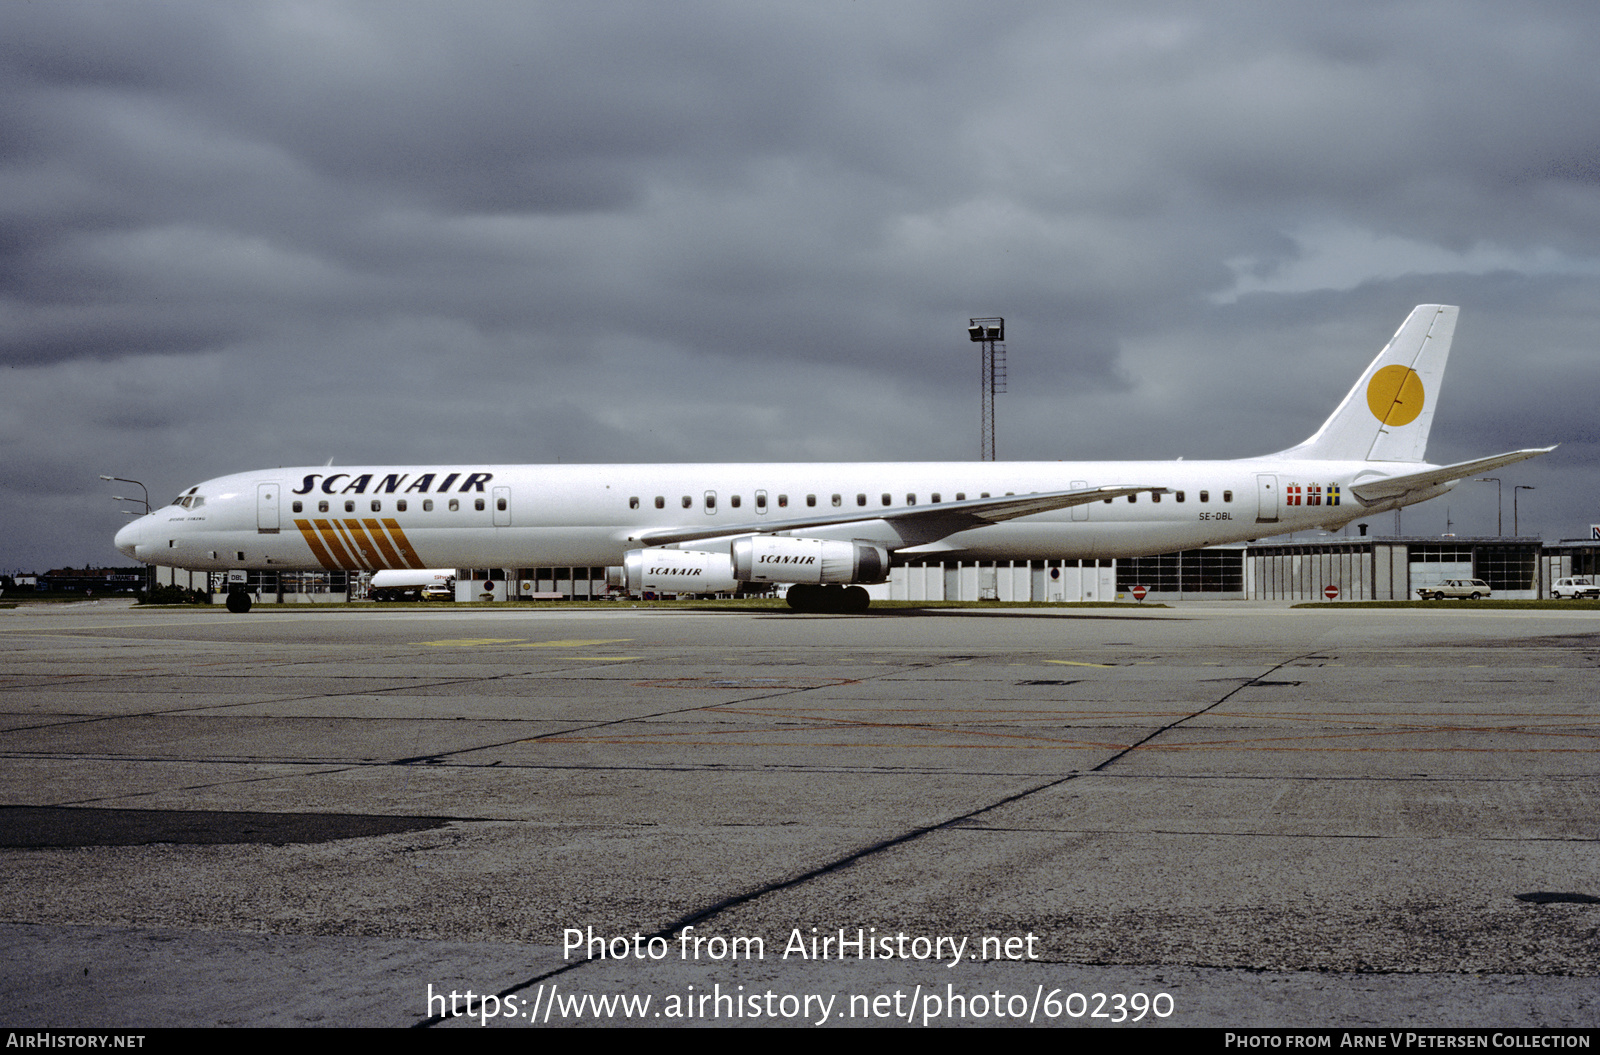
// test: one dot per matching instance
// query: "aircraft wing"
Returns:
(913, 525)
(1392, 486)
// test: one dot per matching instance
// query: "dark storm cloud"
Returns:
(267, 233)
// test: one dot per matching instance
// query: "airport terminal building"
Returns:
(1354, 569)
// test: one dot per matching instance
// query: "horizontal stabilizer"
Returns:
(1376, 489)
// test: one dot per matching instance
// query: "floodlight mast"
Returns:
(991, 333)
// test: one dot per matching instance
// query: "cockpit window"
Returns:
(189, 501)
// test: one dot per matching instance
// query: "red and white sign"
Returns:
(1331, 592)
(1139, 592)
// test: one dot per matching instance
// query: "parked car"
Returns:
(1469, 589)
(1574, 586)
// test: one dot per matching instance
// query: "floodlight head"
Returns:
(986, 329)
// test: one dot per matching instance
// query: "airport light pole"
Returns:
(990, 333)
(142, 487)
(1499, 503)
(1515, 526)
(150, 570)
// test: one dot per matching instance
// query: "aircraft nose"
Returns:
(127, 540)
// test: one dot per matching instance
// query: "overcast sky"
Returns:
(239, 235)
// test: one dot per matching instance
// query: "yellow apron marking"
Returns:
(520, 642)
(1075, 663)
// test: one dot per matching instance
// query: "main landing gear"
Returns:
(238, 601)
(807, 598)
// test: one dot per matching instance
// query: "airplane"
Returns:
(824, 529)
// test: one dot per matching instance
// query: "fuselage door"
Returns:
(502, 507)
(1266, 498)
(267, 508)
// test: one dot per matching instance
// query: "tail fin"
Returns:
(1387, 415)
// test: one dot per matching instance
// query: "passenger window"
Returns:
(837, 501)
(499, 503)
(1132, 499)
(377, 506)
(297, 505)
(961, 496)
(477, 503)
(322, 506)
(861, 500)
(935, 497)
(911, 500)
(427, 505)
(1227, 496)
(711, 501)
(661, 502)
(687, 502)
(811, 500)
(1155, 496)
(1205, 496)
(1180, 496)
(761, 501)
(783, 501)
(400, 505)
(349, 505)
(633, 503)
(886, 498)
(455, 504)
(734, 501)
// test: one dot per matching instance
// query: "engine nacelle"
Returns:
(767, 558)
(677, 571)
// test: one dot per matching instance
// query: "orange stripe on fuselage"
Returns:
(403, 543)
(330, 535)
(317, 549)
(369, 552)
(391, 559)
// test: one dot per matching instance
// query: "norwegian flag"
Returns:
(1313, 494)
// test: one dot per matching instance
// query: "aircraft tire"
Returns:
(803, 598)
(238, 601)
(807, 597)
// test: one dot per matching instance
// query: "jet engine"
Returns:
(677, 571)
(768, 558)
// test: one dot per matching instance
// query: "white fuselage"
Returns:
(524, 516)
(710, 527)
